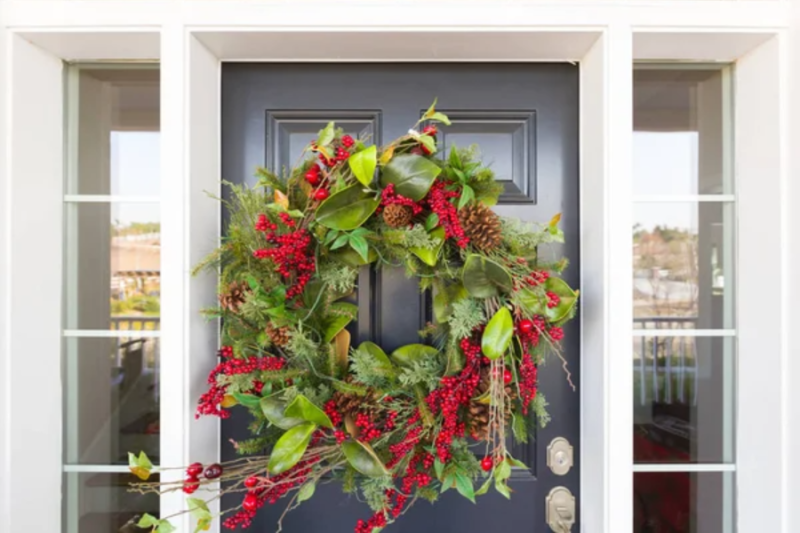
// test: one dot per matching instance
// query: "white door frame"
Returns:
(191, 37)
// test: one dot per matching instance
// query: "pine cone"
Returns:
(397, 216)
(349, 403)
(480, 413)
(234, 296)
(481, 225)
(278, 336)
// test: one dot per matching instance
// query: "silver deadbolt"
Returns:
(559, 456)
(560, 510)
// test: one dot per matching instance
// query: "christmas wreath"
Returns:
(399, 426)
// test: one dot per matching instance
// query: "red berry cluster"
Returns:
(332, 412)
(210, 400)
(402, 448)
(438, 200)
(529, 331)
(537, 277)
(414, 476)
(291, 253)
(347, 141)
(552, 299)
(225, 351)
(389, 197)
(193, 473)
(342, 154)
(527, 381)
(313, 175)
(378, 520)
(556, 333)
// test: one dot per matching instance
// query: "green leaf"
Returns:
(201, 513)
(382, 361)
(438, 467)
(248, 400)
(567, 297)
(336, 322)
(350, 388)
(340, 241)
(412, 175)
(140, 465)
(430, 256)
(431, 110)
(531, 302)
(444, 299)
(440, 117)
(253, 283)
(363, 164)
(306, 491)
(330, 236)
(517, 463)
(467, 195)
(484, 488)
(273, 409)
(301, 407)
(408, 354)
(498, 334)
(464, 486)
(362, 457)
(350, 257)
(519, 426)
(429, 143)
(449, 481)
(147, 520)
(290, 448)
(326, 135)
(431, 222)
(483, 278)
(454, 160)
(503, 471)
(347, 209)
(502, 488)
(359, 244)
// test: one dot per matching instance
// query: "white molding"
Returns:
(676, 332)
(98, 469)
(683, 467)
(109, 198)
(112, 333)
(677, 198)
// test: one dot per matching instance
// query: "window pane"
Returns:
(113, 266)
(683, 399)
(111, 393)
(115, 120)
(102, 503)
(681, 128)
(683, 265)
(683, 502)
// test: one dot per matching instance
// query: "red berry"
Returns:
(425, 149)
(191, 484)
(250, 502)
(194, 470)
(312, 177)
(321, 194)
(251, 482)
(347, 141)
(213, 471)
(430, 130)
(487, 464)
(507, 376)
(525, 326)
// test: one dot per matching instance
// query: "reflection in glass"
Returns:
(113, 266)
(683, 502)
(683, 265)
(682, 124)
(102, 503)
(683, 399)
(111, 393)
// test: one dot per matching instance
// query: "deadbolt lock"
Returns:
(559, 456)
(560, 510)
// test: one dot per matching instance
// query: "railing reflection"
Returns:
(665, 367)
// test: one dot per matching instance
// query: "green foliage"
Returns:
(365, 369)
(374, 490)
(341, 278)
(427, 372)
(468, 313)
(414, 237)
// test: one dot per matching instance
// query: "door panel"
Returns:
(525, 119)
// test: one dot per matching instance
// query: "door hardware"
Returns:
(559, 456)
(560, 510)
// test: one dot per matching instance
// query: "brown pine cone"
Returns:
(480, 413)
(234, 297)
(350, 403)
(279, 336)
(481, 225)
(397, 216)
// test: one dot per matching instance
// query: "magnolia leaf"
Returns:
(411, 175)
(431, 110)
(347, 209)
(440, 117)
(408, 354)
(362, 457)
(531, 302)
(306, 491)
(467, 195)
(337, 322)
(484, 278)
(341, 347)
(444, 299)
(248, 400)
(290, 448)
(140, 465)
(429, 143)
(464, 486)
(431, 222)
(274, 408)
(381, 360)
(350, 426)
(350, 257)
(359, 244)
(484, 488)
(326, 135)
(387, 154)
(567, 298)
(363, 164)
(302, 407)
(498, 334)
(281, 199)
(430, 256)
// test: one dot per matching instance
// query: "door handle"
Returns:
(560, 510)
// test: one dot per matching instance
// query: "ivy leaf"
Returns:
(147, 520)
(411, 175)
(306, 491)
(140, 465)
(567, 298)
(483, 278)
(340, 241)
(464, 486)
(467, 195)
(200, 512)
(408, 354)
(440, 117)
(302, 407)
(362, 457)
(431, 222)
(381, 360)
(326, 135)
(347, 209)
(250, 401)
(273, 409)
(363, 164)
(290, 448)
(498, 334)
(359, 244)
(503, 471)
(431, 110)
(430, 256)
(429, 143)
(484, 488)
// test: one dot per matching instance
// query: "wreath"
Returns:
(393, 427)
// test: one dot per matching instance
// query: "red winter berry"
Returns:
(194, 470)
(487, 464)
(430, 130)
(347, 141)
(191, 484)
(250, 502)
(225, 351)
(507, 376)
(556, 333)
(425, 149)
(525, 326)
(251, 482)
(313, 177)
(321, 194)
(213, 471)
